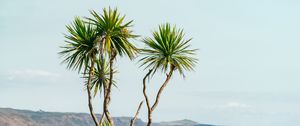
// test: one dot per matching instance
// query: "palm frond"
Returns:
(100, 76)
(115, 31)
(79, 46)
(167, 48)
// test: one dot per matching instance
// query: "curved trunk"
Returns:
(150, 110)
(146, 97)
(90, 104)
(101, 44)
(108, 95)
(136, 114)
(103, 115)
(161, 90)
(101, 119)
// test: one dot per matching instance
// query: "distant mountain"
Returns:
(14, 117)
(179, 123)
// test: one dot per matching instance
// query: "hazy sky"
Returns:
(248, 72)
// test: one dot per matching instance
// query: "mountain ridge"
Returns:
(16, 117)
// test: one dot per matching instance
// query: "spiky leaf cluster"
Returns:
(85, 37)
(168, 49)
(80, 45)
(114, 31)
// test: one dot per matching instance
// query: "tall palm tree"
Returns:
(113, 34)
(80, 53)
(167, 50)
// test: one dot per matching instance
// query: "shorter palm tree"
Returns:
(166, 51)
(80, 53)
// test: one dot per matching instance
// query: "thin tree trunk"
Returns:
(136, 114)
(101, 119)
(104, 102)
(90, 104)
(107, 98)
(103, 114)
(161, 90)
(101, 44)
(150, 110)
(146, 97)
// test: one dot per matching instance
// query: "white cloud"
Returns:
(31, 74)
(234, 104)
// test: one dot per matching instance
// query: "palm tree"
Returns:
(80, 53)
(166, 51)
(113, 34)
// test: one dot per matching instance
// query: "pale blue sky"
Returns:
(248, 72)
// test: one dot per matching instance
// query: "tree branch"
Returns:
(136, 114)
(90, 104)
(162, 88)
(144, 90)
